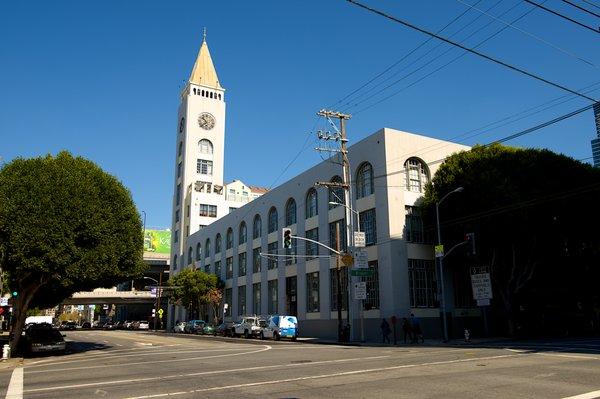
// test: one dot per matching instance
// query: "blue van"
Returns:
(280, 327)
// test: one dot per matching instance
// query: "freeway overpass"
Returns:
(109, 296)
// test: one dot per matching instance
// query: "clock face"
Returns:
(181, 125)
(206, 121)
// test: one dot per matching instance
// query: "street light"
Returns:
(441, 258)
(157, 305)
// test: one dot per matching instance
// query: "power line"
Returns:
(559, 15)
(581, 8)
(591, 4)
(487, 57)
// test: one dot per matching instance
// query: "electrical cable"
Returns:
(591, 4)
(480, 54)
(581, 8)
(559, 15)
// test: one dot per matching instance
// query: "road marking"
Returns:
(320, 376)
(15, 387)
(584, 357)
(266, 348)
(166, 377)
(589, 395)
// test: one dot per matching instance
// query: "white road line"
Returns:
(583, 357)
(15, 387)
(589, 395)
(314, 377)
(167, 377)
(266, 348)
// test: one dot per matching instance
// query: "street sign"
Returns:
(360, 290)
(362, 272)
(359, 239)
(347, 259)
(361, 259)
(482, 286)
(3, 301)
(483, 302)
(439, 251)
(153, 291)
(160, 312)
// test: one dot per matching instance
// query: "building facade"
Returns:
(596, 141)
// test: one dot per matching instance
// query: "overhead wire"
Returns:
(591, 4)
(581, 8)
(559, 15)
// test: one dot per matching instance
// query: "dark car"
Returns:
(69, 325)
(223, 329)
(86, 325)
(194, 326)
(44, 339)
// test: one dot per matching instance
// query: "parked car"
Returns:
(134, 325)
(192, 326)
(179, 327)
(42, 338)
(69, 325)
(280, 327)
(143, 325)
(86, 325)
(223, 329)
(110, 326)
(249, 326)
(208, 329)
(127, 324)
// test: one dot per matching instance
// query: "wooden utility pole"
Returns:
(338, 275)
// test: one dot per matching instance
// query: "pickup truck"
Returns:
(249, 326)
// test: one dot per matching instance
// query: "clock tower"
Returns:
(199, 195)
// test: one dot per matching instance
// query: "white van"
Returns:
(280, 327)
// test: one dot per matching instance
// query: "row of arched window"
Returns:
(206, 93)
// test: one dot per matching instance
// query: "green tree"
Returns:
(535, 216)
(193, 288)
(65, 226)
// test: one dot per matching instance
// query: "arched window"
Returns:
(207, 248)
(219, 96)
(229, 241)
(242, 234)
(364, 181)
(194, 90)
(180, 150)
(190, 256)
(417, 175)
(257, 227)
(336, 194)
(211, 94)
(290, 212)
(198, 251)
(273, 220)
(175, 262)
(202, 93)
(205, 146)
(218, 244)
(312, 204)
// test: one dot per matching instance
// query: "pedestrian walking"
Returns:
(417, 332)
(385, 331)
(407, 330)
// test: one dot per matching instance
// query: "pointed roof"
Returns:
(204, 72)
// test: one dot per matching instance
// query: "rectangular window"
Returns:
(334, 285)
(227, 300)
(208, 210)
(256, 260)
(176, 237)
(200, 227)
(207, 269)
(422, 283)
(242, 264)
(256, 298)
(273, 295)
(231, 209)
(368, 224)
(291, 295)
(332, 234)
(229, 267)
(291, 257)
(241, 300)
(312, 292)
(413, 225)
(187, 211)
(272, 249)
(179, 169)
(218, 268)
(177, 216)
(204, 167)
(231, 191)
(178, 194)
(312, 249)
(372, 301)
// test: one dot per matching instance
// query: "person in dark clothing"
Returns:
(407, 330)
(385, 331)
(416, 329)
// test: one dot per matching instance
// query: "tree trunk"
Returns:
(20, 309)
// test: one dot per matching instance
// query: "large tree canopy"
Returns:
(535, 214)
(65, 226)
(193, 288)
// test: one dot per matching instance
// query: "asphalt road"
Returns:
(123, 364)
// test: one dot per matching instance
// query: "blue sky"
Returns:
(102, 79)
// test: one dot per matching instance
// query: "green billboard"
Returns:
(158, 241)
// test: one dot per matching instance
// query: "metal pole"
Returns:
(339, 282)
(441, 265)
(347, 179)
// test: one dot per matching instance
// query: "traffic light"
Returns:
(470, 240)
(15, 294)
(287, 238)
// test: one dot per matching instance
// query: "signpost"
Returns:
(482, 290)
(362, 272)
(439, 251)
(361, 259)
(347, 259)
(360, 290)
(359, 239)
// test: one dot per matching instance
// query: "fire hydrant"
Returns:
(6, 352)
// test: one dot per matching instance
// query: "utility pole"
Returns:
(346, 184)
(338, 275)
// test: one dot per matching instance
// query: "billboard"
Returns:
(158, 241)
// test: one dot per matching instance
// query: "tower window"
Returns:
(219, 96)
(204, 167)
(202, 93)
(194, 91)
(211, 94)
(205, 146)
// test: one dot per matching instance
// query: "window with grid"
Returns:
(312, 249)
(207, 248)
(273, 296)
(242, 264)
(343, 244)
(204, 167)
(364, 181)
(312, 292)
(256, 298)
(417, 175)
(273, 225)
(312, 204)
(256, 260)
(242, 235)
(291, 253)
(218, 268)
(218, 244)
(241, 300)
(336, 194)
(422, 283)
(413, 225)
(368, 224)
(208, 210)
(228, 298)
(229, 267)
(198, 252)
(190, 255)
(229, 239)
(272, 250)
(372, 301)
(344, 288)
(178, 194)
(290, 212)
(256, 227)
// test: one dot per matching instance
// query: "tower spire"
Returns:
(204, 72)
(204, 35)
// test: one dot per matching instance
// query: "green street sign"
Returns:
(362, 272)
